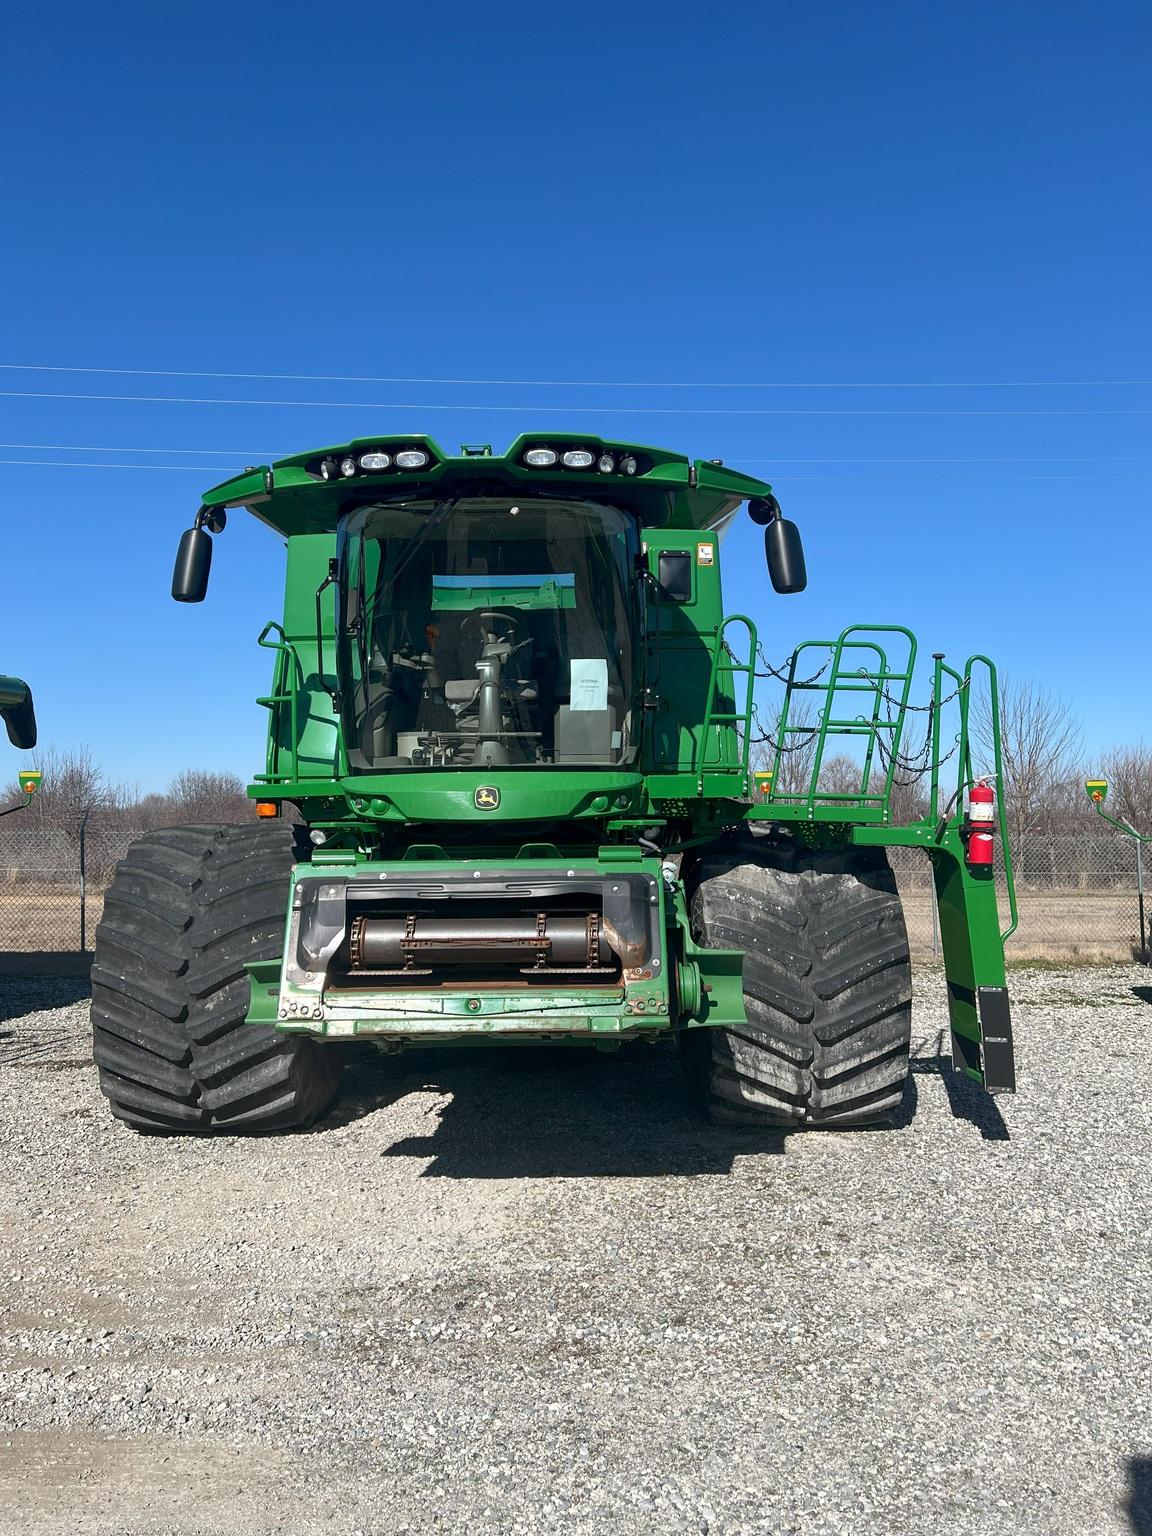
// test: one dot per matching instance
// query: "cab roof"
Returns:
(309, 492)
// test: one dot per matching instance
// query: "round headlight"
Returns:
(540, 458)
(411, 458)
(375, 460)
(628, 465)
(328, 469)
(347, 466)
(605, 463)
(578, 458)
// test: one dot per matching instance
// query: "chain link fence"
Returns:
(1078, 897)
(52, 885)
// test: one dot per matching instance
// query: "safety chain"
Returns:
(781, 673)
(925, 709)
(779, 745)
(916, 767)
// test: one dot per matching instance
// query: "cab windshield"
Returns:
(488, 632)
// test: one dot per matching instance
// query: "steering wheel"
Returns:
(476, 619)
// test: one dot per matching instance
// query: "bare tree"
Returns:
(1040, 740)
(73, 788)
(840, 775)
(199, 795)
(1067, 811)
(908, 799)
(799, 749)
(1129, 774)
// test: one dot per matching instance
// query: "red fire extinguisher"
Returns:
(981, 819)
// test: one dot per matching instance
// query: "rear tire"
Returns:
(187, 907)
(827, 986)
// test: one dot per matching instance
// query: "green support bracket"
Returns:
(974, 968)
(710, 986)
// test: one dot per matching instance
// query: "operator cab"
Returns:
(488, 631)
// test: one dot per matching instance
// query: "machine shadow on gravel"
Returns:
(22, 995)
(45, 1043)
(1139, 1507)
(966, 1099)
(578, 1115)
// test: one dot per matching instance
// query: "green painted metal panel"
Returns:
(637, 1000)
(303, 730)
(667, 488)
(679, 658)
(973, 964)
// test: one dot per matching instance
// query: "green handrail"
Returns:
(966, 775)
(285, 690)
(874, 680)
(724, 658)
(998, 766)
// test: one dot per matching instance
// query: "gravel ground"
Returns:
(518, 1291)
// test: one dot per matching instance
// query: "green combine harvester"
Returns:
(508, 798)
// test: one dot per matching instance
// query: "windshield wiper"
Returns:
(436, 518)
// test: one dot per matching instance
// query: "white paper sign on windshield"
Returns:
(590, 683)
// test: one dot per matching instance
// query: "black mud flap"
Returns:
(996, 1033)
(991, 1059)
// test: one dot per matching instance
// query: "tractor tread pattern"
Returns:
(827, 985)
(187, 908)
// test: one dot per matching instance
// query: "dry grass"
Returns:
(1084, 926)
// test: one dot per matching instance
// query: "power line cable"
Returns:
(248, 453)
(199, 469)
(352, 378)
(570, 410)
(936, 480)
(1109, 458)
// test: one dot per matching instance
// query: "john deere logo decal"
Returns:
(486, 798)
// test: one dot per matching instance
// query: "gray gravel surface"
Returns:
(526, 1291)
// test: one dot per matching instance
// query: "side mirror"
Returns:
(194, 556)
(18, 713)
(784, 552)
(193, 563)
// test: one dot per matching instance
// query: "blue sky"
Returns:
(767, 204)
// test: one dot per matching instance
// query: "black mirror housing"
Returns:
(20, 721)
(193, 564)
(784, 551)
(762, 509)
